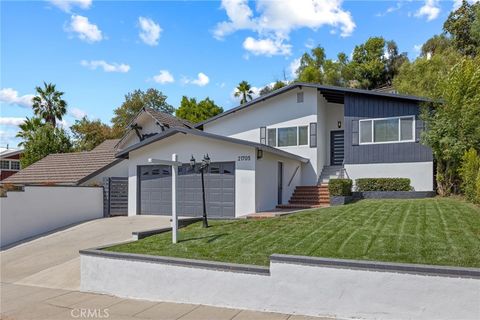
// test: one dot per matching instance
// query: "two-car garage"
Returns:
(155, 190)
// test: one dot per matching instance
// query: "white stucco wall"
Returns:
(419, 173)
(186, 145)
(267, 180)
(290, 288)
(40, 209)
(277, 112)
(118, 170)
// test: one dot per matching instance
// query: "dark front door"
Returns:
(280, 182)
(336, 147)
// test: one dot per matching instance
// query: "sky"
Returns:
(97, 51)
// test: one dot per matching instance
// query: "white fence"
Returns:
(290, 286)
(40, 209)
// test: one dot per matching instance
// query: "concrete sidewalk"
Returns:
(21, 302)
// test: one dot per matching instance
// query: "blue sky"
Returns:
(97, 51)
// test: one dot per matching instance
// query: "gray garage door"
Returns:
(156, 193)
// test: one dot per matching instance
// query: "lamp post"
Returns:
(203, 166)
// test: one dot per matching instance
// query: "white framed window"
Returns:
(4, 164)
(288, 136)
(387, 130)
(14, 165)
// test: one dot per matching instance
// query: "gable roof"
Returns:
(10, 153)
(68, 168)
(170, 132)
(331, 93)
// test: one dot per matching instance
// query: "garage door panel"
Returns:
(156, 195)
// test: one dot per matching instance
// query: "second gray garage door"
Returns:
(156, 194)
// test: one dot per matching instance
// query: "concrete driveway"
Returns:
(53, 261)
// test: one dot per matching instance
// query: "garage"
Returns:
(155, 191)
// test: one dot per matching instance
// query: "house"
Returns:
(76, 168)
(295, 138)
(9, 162)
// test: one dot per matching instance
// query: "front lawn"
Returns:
(427, 231)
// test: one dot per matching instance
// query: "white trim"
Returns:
(388, 118)
(10, 161)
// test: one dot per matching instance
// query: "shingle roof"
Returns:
(168, 119)
(67, 168)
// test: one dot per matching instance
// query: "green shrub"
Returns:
(340, 187)
(469, 174)
(477, 196)
(383, 184)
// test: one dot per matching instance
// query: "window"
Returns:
(302, 135)
(4, 164)
(15, 165)
(313, 135)
(299, 97)
(262, 135)
(272, 137)
(386, 130)
(287, 137)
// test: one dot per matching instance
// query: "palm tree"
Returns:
(245, 90)
(48, 104)
(28, 127)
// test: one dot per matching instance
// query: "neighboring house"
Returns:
(76, 168)
(9, 162)
(261, 151)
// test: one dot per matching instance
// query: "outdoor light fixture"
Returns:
(259, 153)
(203, 166)
(339, 124)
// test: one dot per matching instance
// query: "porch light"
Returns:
(206, 159)
(192, 162)
(339, 124)
(259, 153)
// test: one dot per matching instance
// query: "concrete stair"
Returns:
(305, 197)
(330, 172)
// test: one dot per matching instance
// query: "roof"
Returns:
(109, 144)
(168, 119)
(173, 131)
(10, 152)
(331, 93)
(68, 168)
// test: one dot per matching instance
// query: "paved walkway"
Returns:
(40, 279)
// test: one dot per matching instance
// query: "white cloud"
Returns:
(201, 80)
(150, 31)
(391, 9)
(293, 67)
(77, 113)
(310, 44)
(67, 5)
(11, 121)
(267, 47)
(163, 77)
(10, 96)
(276, 19)
(107, 67)
(85, 30)
(430, 10)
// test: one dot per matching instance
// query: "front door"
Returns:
(336, 147)
(280, 182)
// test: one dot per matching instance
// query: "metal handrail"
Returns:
(294, 173)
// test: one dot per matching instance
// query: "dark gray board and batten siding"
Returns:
(359, 107)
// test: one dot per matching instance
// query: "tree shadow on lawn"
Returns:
(210, 238)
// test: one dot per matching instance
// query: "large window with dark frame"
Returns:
(287, 136)
(387, 130)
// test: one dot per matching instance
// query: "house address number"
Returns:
(243, 158)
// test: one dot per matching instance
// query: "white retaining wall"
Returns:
(290, 288)
(40, 209)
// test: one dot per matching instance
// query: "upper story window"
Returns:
(15, 165)
(288, 136)
(387, 130)
(10, 165)
(4, 164)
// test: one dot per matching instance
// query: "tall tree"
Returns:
(48, 104)
(269, 88)
(88, 134)
(134, 102)
(195, 112)
(453, 124)
(459, 25)
(45, 140)
(245, 91)
(435, 45)
(28, 128)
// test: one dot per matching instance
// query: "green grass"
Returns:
(427, 231)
